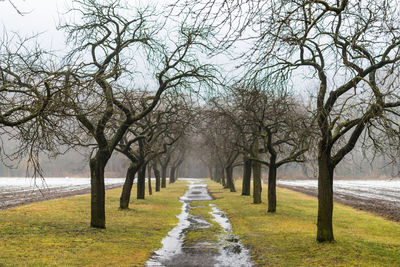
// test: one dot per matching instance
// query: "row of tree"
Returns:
(127, 80)
(343, 54)
(123, 85)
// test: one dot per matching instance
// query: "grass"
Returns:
(57, 232)
(287, 238)
(210, 234)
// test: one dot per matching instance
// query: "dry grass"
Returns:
(57, 233)
(287, 238)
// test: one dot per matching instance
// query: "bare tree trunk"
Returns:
(256, 182)
(127, 188)
(216, 174)
(172, 175)
(229, 178)
(157, 175)
(246, 177)
(97, 165)
(222, 174)
(177, 173)
(149, 178)
(163, 176)
(211, 173)
(178, 168)
(325, 197)
(272, 184)
(141, 183)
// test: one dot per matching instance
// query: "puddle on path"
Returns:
(226, 251)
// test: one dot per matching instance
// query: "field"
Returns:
(57, 232)
(381, 197)
(287, 238)
(18, 191)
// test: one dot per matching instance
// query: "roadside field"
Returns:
(57, 232)
(287, 238)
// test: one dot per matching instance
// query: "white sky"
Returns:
(41, 17)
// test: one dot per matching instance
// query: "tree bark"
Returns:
(149, 178)
(325, 197)
(256, 182)
(157, 175)
(222, 173)
(127, 188)
(97, 165)
(177, 168)
(163, 176)
(272, 184)
(246, 177)
(172, 175)
(211, 173)
(176, 174)
(216, 174)
(229, 178)
(141, 183)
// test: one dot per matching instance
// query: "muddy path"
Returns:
(202, 237)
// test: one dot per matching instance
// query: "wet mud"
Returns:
(223, 249)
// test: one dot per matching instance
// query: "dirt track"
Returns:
(384, 208)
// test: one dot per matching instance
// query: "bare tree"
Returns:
(30, 80)
(177, 156)
(244, 136)
(222, 139)
(16, 7)
(149, 138)
(283, 125)
(108, 38)
(349, 49)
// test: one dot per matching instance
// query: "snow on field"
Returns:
(15, 191)
(388, 190)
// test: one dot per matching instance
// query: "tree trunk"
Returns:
(246, 177)
(127, 188)
(177, 173)
(149, 178)
(157, 175)
(256, 182)
(97, 165)
(141, 183)
(272, 184)
(163, 176)
(178, 170)
(325, 197)
(216, 174)
(229, 178)
(172, 175)
(211, 173)
(222, 173)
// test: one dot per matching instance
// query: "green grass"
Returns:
(57, 232)
(210, 234)
(287, 238)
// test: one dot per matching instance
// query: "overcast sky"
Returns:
(40, 16)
